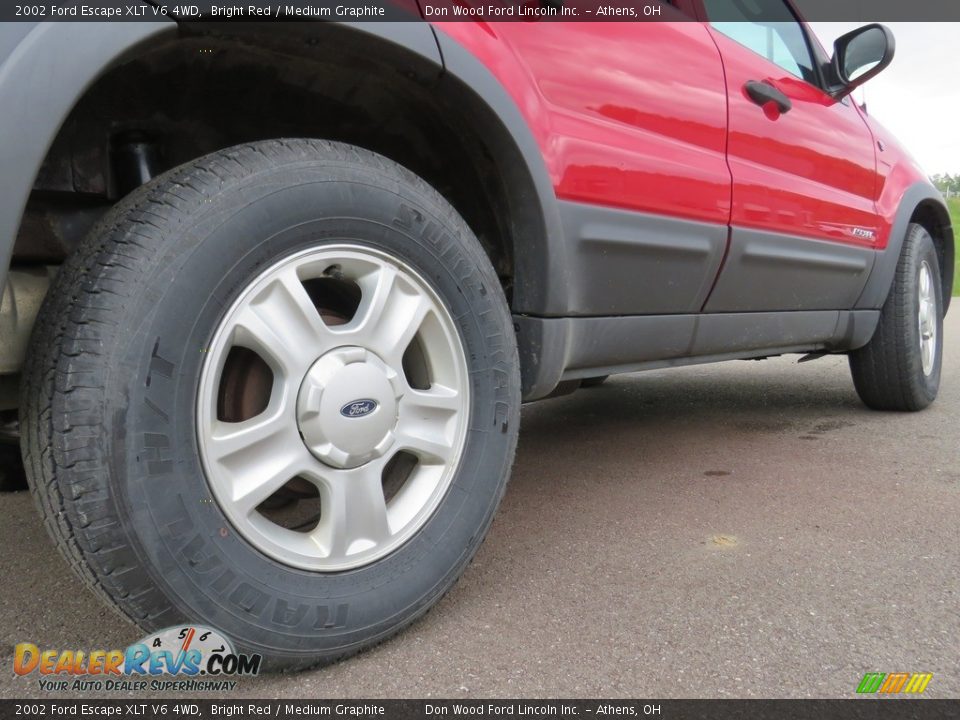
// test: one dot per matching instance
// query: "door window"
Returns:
(767, 27)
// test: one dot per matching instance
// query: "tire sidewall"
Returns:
(208, 571)
(920, 249)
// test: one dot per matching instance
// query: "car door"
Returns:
(803, 219)
(631, 120)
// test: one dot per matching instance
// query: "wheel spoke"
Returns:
(422, 426)
(437, 403)
(390, 314)
(257, 457)
(924, 283)
(354, 513)
(281, 322)
(427, 440)
(927, 318)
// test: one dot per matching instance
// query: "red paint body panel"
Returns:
(613, 128)
(635, 116)
(896, 171)
(810, 172)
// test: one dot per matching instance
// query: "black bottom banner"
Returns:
(430, 709)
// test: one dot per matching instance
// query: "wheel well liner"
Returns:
(31, 120)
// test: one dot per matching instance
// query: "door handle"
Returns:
(763, 92)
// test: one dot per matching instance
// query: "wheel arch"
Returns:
(31, 120)
(932, 215)
(920, 203)
(542, 275)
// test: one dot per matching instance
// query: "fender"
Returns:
(878, 286)
(30, 57)
(540, 275)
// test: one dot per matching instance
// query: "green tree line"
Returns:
(946, 182)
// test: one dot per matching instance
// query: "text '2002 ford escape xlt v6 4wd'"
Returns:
(297, 278)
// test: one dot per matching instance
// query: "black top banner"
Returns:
(196, 709)
(477, 10)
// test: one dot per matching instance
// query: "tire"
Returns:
(594, 381)
(890, 372)
(120, 464)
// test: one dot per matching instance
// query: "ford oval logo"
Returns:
(358, 408)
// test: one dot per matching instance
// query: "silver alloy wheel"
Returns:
(344, 402)
(927, 318)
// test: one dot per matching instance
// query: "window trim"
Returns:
(812, 47)
(817, 58)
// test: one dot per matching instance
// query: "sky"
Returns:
(917, 98)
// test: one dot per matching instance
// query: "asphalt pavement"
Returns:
(747, 529)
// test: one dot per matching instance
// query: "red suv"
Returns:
(297, 278)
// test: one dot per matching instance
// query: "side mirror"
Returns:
(860, 55)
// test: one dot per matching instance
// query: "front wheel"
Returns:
(899, 369)
(281, 389)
